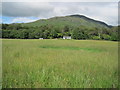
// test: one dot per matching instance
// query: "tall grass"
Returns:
(60, 64)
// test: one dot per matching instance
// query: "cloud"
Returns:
(26, 9)
(103, 11)
(0, 20)
(22, 20)
(60, 0)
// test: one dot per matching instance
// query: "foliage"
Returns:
(96, 38)
(106, 37)
(78, 27)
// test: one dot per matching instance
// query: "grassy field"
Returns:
(60, 64)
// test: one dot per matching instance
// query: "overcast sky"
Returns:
(17, 12)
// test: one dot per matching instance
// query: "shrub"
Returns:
(96, 38)
(106, 37)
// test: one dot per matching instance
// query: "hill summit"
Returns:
(70, 20)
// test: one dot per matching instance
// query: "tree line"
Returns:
(18, 31)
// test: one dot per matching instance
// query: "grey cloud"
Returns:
(26, 9)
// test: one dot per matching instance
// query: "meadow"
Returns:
(54, 63)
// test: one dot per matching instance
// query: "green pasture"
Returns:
(54, 63)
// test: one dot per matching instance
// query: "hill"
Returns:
(77, 26)
(71, 20)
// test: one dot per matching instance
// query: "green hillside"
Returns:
(72, 21)
(77, 26)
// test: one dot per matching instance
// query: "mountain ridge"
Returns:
(72, 20)
(85, 17)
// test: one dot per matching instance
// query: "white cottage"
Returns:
(66, 37)
(41, 38)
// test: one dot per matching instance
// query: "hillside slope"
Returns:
(72, 21)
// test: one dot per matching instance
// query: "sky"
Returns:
(24, 12)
